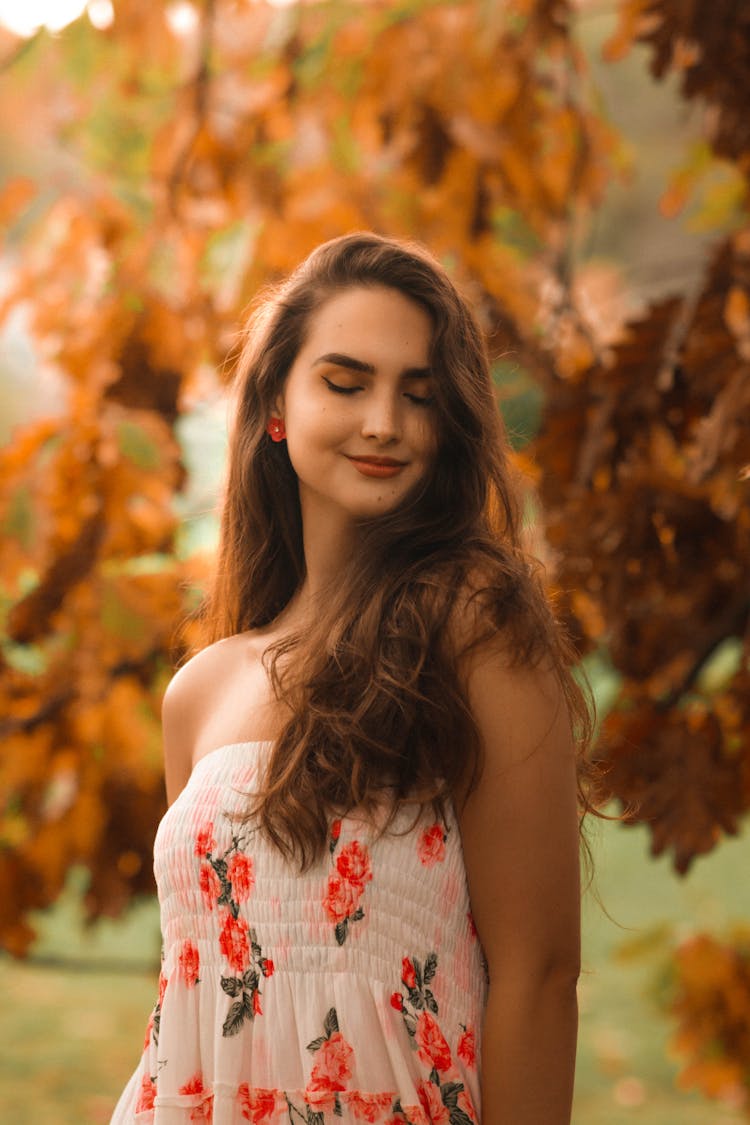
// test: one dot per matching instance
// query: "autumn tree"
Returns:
(645, 470)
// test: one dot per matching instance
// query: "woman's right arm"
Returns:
(519, 832)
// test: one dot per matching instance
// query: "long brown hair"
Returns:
(374, 691)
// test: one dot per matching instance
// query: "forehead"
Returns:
(371, 318)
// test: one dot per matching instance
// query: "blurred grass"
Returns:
(72, 1019)
(624, 1066)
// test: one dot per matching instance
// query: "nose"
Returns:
(381, 419)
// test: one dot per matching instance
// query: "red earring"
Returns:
(275, 427)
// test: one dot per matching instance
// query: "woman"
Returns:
(368, 872)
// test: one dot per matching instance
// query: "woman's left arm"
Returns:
(520, 838)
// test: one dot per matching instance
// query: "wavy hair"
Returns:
(373, 688)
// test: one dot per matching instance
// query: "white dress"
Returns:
(354, 992)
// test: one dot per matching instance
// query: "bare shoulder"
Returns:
(516, 706)
(196, 674)
(190, 695)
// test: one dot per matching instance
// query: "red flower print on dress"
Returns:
(258, 1106)
(467, 1048)
(353, 864)
(234, 941)
(332, 1061)
(331, 1069)
(203, 1113)
(342, 899)
(152, 1028)
(204, 841)
(209, 884)
(464, 1104)
(433, 1048)
(369, 1107)
(320, 1095)
(241, 875)
(431, 845)
(346, 884)
(397, 1001)
(335, 833)
(440, 1094)
(217, 872)
(189, 964)
(147, 1094)
(437, 1111)
(149, 1028)
(194, 1086)
(245, 987)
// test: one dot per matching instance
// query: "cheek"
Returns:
(429, 439)
(312, 433)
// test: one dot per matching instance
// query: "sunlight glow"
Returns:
(26, 18)
(182, 18)
(101, 13)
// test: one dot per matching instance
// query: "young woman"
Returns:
(368, 872)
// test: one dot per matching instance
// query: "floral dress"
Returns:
(351, 993)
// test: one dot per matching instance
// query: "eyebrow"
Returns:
(352, 364)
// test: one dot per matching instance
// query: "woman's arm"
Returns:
(520, 837)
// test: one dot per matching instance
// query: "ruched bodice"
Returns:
(352, 992)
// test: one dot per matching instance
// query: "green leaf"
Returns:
(138, 446)
(331, 1022)
(235, 1019)
(520, 399)
(118, 618)
(19, 518)
(510, 227)
(415, 998)
(449, 1092)
(231, 985)
(30, 660)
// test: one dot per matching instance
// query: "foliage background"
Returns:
(158, 171)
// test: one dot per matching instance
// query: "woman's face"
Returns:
(357, 404)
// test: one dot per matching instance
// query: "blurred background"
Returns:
(582, 169)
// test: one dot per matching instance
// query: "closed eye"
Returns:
(340, 390)
(418, 400)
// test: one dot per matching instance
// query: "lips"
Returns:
(378, 461)
(377, 466)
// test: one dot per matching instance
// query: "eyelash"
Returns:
(351, 390)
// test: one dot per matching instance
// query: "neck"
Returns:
(328, 539)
